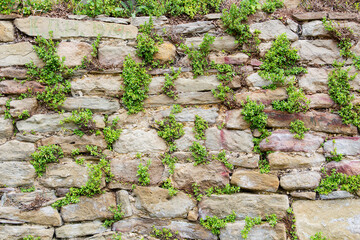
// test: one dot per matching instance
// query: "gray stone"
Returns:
(187, 140)
(271, 29)
(304, 195)
(345, 146)
(244, 204)
(139, 141)
(292, 3)
(16, 174)
(18, 54)
(43, 123)
(213, 16)
(112, 19)
(80, 229)
(16, 151)
(232, 231)
(336, 195)
(95, 104)
(19, 199)
(226, 43)
(157, 21)
(122, 198)
(320, 101)
(337, 219)
(63, 28)
(20, 232)
(157, 202)
(96, 85)
(188, 114)
(185, 28)
(300, 180)
(245, 160)
(282, 160)
(308, 16)
(255, 181)
(314, 29)
(189, 98)
(6, 32)
(316, 79)
(114, 56)
(254, 80)
(17, 107)
(231, 140)
(74, 52)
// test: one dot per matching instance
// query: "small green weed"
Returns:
(118, 215)
(30, 237)
(200, 126)
(111, 133)
(336, 180)
(296, 101)
(170, 130)
(228, 189)
(299, 128)
(197, 193)
(176, 109)
(24, 115)
(168, 185)
(170, 161)
(45, 154)
(249, 223)
(83, 119)
(271, 5)
(169, 86)
(334, 156)
(318, 236)
(221, 157)
(214, 224)
(30, 189)
(143, 172)
(164, 234)
(199, 153)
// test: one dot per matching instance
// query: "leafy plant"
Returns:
(226, 72)
(170, 130)
(30, 237)
(168, 185)
(45, 154)
(143, 173)
(199, 153)
(82, 118)
(318, 236)
(7, 6)
(24, 115)
(136, 82)
(30, 189)
(228, 189)
(200, 126)
(111, 133)
(7, 114)
(336, 180)
(197, 193)
(221, 92)
(169, 86)
(272, 219)
(296, 101)
(221, 157)
(164, 234)
(214, 224)
(176, 109)
(299, 128)
(93, 8)
(271, 5)
(118, 215)
(170, 161)
(249, 223)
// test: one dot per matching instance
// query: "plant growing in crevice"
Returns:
(271, 5)
(93, 63)
(199, 153)
(318, 236)
(7, 114)
(165, 234)
(167, 184)
(111, 133)
(30, 237)
(83, 119)
(170, 162)
(169, 86)
(200, 126)
(291, 220)
(143, 172)
(221, 157)
(29, 189)
(251, 222)
(299, 128)
(214, 224)
(295, 103)
(118, 215)
(170, 130)
(228, 189)
(44, 155)
(197, 193)
(335, 181)
(334, 156)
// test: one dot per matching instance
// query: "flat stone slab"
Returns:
(18, 54)
(345, 146)
(20, 232)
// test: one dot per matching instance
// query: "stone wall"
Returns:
(295, 164)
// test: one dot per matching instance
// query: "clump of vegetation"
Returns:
(199, 153)
(30, 189)
(222, 92)
(82, 118)
(170, 162)
(228, 189)
(118, 215)
(24, 115)
(200, 126)
(214, 224)
(272, 219)
(221, 157)
(111, 133)
(169, 86)
(199, 61)
(136, 82)
(226, 72)
(143, 172)
(167, 184)
(45, 154)
(7, 114)
(334, 156)
(296, 101)
(170, 130)
(197, 193)
(299, 128)
(271, 5)
(176, 109)
(333, 5)
(164, 234)
(249, 223)
(318, 236)
(280, 62)
(30, 237)
(91, 64)
(291, 218)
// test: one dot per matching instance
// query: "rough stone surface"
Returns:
(18, 54)
(244, 204)
(137, 21)
(89, 208)
(319, 216)
(236, 59)
(235, 120)
(13, 87)
(348, 167)
(43, 123)
(188, 114)
(307, 16)
(190, 98)
(336, 195)
(245, 160)
(17, 107)
(255, 181)
(114, 56)
(16, 151)
(186, 28)
(232, 231)
(6, 128)
(320, 101)
(16, 232)
(283, 140)
(317, 51)
(266, 96)
(122, 197)
(16, 174)
(314, 29)
(212, 174)
(271, 29)
(255, 80)
(300, 181)
(292, 3)
(282, 160)
(74, 52)
(345, 146)
(96, 85)
(13, 72)
(231, 140)
(166, 52)
(316, 79)
(62, 28)
(139, 141)
(18, 199)
(187, 140)
(80, 229)
(226, 43)
(6, 32)
(157, 203)
(304, 195)
(95, 104)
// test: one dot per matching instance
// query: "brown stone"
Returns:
(308, 16)
(235, 120)
(304, 195)
(12, 72)
(18, 54)
(300, 180)
(9, 17)
(255, 181)
(6, 32)
(114, 56)
(74, 52)
(20, 232)
(17, 107)
(320, 100)
(282, 160)
(13, 87)
(343, 16)
(166, 52)
(189, 98)
(264, 96)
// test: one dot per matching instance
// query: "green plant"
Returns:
(118, 215)
(44, 155)
(228, 189)
(249, 223)
(299, 128)
(318, 236)
(199, 153)
(83, 119)
(197, 193)
(272, 219)
(280, 62)
(164, 234)
(7, 114)
(168, 185)
(225, 73)
(111, 134)
(93, 150)
(136, 82)
(30, 237)
(30, 189)
(199, 61)
(334, 156)
(75, 152)
(221, 92)
(169, 86)
(200, 126)
(33, 6)
(214, 224)
(24, 115)
(176, 109)
(271, 5)
(170, 161)
(86, 63)
(93, 8)
(80, 160)
(116, 236)
(296, 101)
(7, 6)
(170, 130)
(221, 157)
(143, 173)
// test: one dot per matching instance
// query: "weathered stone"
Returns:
(245, 160)
(320, 100)
(315, 80)
(89, 208)
(300, 181)
(63, 28)
(234, 59)
(16, 151)
(13, 72)
(145, 226)
(255, 62)
(193, 215)
(185, 28)
(348, 167)
(291, 3)
(254, 80)
(42, 216)
(20, 232)
(264, 47)
(157, 21)
(18, 54)
(6, 32)
(255, 181)
(314, 29)
(19, 199)
(96, 85)
(114, 56)
(265, 96)
(232, 231)
(308, 16)
(13, 87)
(43, 123)
(235, 120)
(283, 140)
(317, 51)
(213, 16)
(103, 18)
(316, 121)
(74, 52)
(16, 174)
(342, 16)
(80, 229)
(139, 141)
(271, 29)
(122, 198)
(206, 176)
(336, 195)
(304, 195)
(190, 98)
(337, 219)
(281, 160)
(231, 140)
(157, 203)
(187, 140)
(95, 104)
(11, 16)
(68, 175)
(244, 204)
(188, 114)
(69, 143)
(345, 146)
(125, 170)
(166, 52)
(226, 43)
(17, 107)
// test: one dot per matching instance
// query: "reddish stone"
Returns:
(348, 167)
(320, 100)
(255, 62)
(11, 72)
(13, 87)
